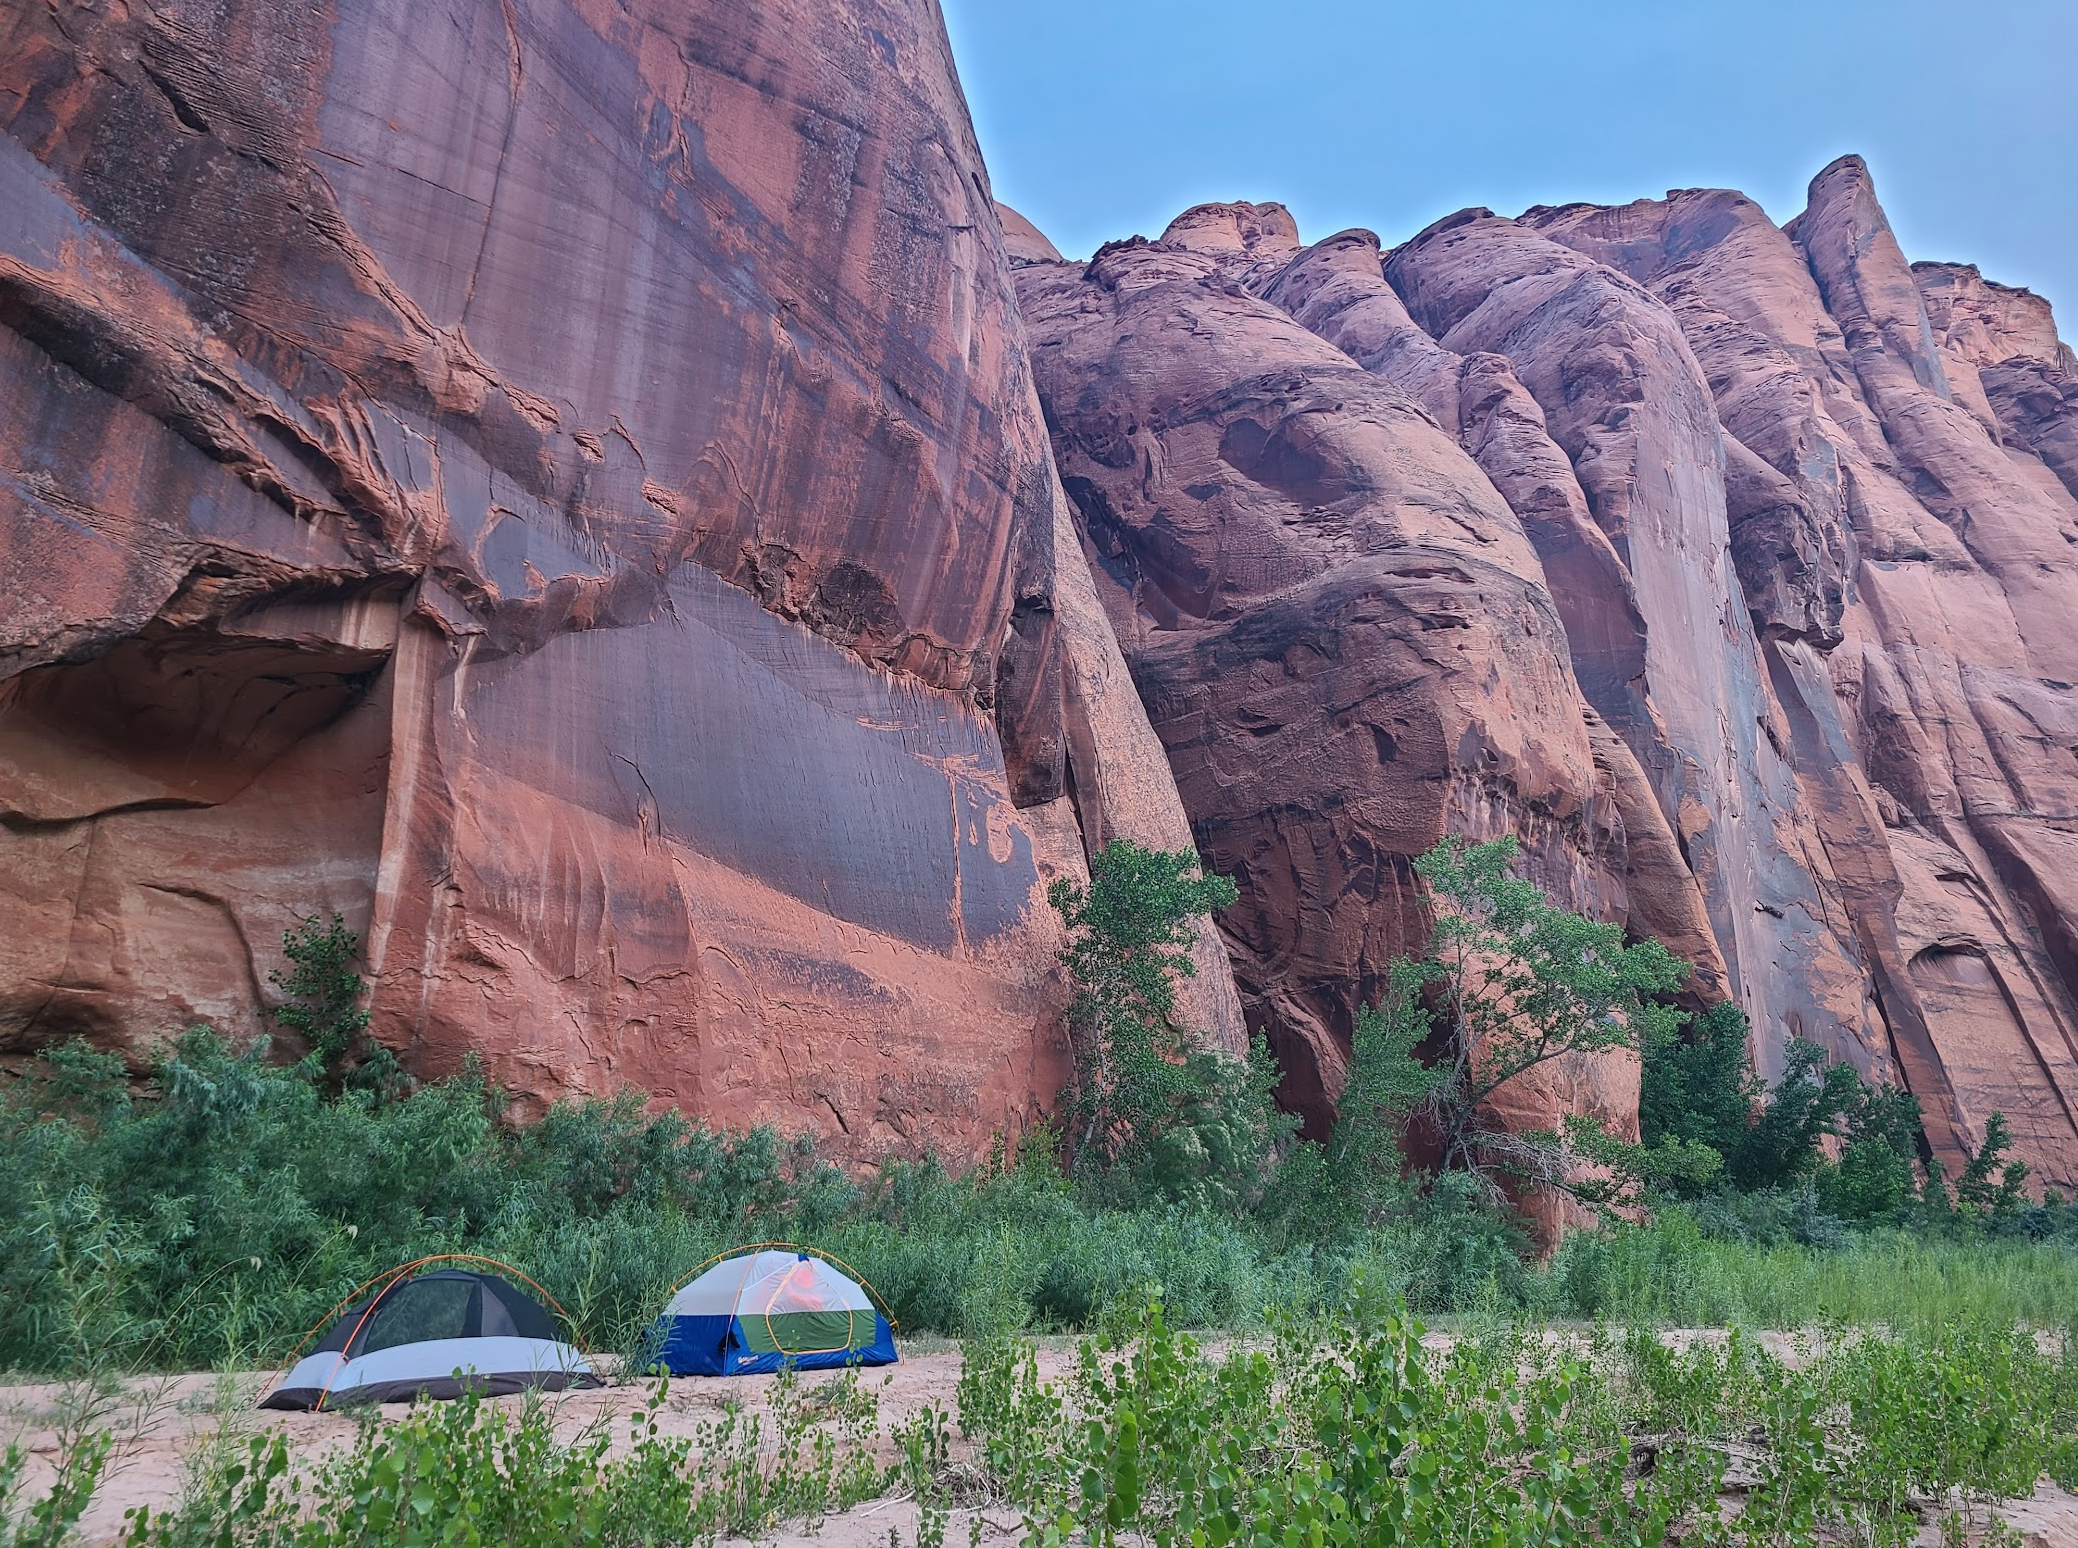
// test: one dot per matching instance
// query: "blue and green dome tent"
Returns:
(767, 1306)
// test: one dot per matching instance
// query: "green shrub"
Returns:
(49, 1522)
(323, 993)
(1685, 1268)
(1871, 1183)
(1989, 1183)
(1334, 1429)
(1699, 1087)
(217, 1215)
(222, 1211)
(463, 1472)
(1356, 1183)
(1802, 1108)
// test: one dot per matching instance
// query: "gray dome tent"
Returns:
(434, 1335)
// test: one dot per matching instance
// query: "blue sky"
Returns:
(1102, 118)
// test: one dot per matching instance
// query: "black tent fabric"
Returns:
(448, 1303)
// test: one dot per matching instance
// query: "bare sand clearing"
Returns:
(163, 1421)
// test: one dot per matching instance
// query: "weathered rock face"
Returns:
(1624, 399)
(1917, 615)
(1024, 242)
(1804, 513)
(1337, 290)
(2001, 344)
(560, 484)
(1343, 637)
(563, 485)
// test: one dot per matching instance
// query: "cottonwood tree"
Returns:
(1152, 1112)
(1516, 983)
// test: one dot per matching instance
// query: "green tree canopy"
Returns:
(1153, 1113)
(1519, 982)
(323, 988)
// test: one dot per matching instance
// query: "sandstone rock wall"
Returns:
(601, 497)
(1931, 724)
(1343, 637)
(560, 484)
(1803, 512)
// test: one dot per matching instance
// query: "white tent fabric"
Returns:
(769, 1283)
(432, 1359)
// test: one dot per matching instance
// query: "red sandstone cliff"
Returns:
(1804, 513)
(1342, 635)
(566, 485)
(1931, 729)
(560, 484)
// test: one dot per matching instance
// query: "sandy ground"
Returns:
(161, 1422)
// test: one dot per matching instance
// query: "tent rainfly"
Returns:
(434, 1335)
(765, 1308)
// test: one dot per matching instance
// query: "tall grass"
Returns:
(1672, 1273)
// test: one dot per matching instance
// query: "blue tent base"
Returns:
(713, 1346)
